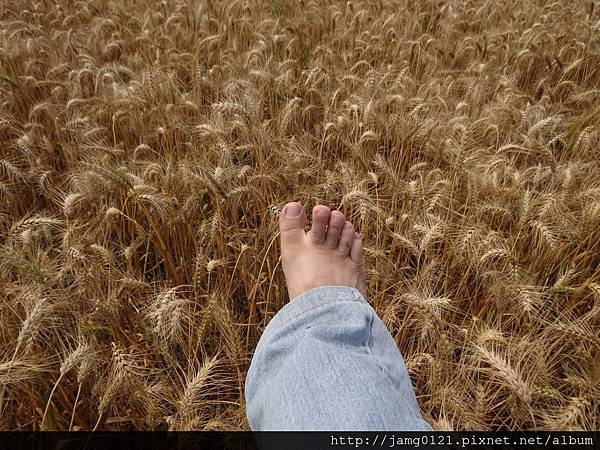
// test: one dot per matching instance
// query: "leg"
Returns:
(326, 361)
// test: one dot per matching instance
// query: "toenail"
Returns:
(293, 210)
(322, 211)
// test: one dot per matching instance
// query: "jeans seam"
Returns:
(370, 351)
(370, 338)
(387, 379)
(382, 368)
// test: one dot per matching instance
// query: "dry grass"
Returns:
(146, 148)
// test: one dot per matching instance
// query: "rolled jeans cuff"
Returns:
(326, 361)
(312, 299)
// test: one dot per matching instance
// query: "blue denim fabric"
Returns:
(326, 362)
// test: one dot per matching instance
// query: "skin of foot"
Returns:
(330, 254)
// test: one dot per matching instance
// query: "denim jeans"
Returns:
(326, 362)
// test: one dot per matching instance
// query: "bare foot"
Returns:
(330, 254)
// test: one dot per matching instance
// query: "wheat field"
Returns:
(147, 147)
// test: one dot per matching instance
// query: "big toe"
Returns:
(292, 220)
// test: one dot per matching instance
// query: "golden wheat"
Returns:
(146, 148)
